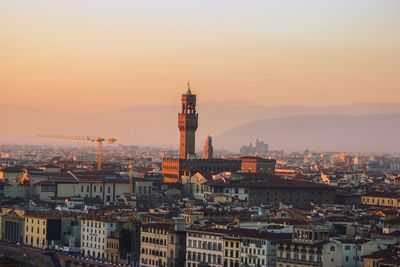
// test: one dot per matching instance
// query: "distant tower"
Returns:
(187, 123)
(208, 148)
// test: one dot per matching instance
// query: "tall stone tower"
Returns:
(187, 123)
(208, 148)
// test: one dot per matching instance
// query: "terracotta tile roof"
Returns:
(385, 194)
(389, 255)
(264, 180)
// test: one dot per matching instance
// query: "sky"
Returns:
(98, 55)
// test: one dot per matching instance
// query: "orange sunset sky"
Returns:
(96, 55)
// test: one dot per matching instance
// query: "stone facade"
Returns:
(257, 164)
(94, 233)
(162, 244)
(187, 123)
(298, 197)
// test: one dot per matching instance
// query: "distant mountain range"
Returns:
(157, 125)
(365, 133)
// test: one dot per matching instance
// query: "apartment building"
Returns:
(232, 251)
(163, 244)
(262, 188)
(305, 248)
(353, 250)
(12, 225)
(94, 233)
(205, 245)
(382, 199)
(258, 248)
(113, 249)
(42, 229)
(101, 187)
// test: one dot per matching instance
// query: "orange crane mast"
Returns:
(99, 141)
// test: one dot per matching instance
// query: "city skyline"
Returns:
(231, 133)
(117, 68)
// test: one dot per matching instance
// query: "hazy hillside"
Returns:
(376, 132)
(157, 125)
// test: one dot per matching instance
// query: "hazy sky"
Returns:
(97, 55)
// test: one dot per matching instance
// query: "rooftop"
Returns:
(265, 180)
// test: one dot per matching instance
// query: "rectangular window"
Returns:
(47, 188)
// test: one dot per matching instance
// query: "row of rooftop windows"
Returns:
(253, 251)
(114, 245)
(169, 167)
(257, 243)
(380, 201)
(96, 224)
(37, 230)
(203, 257)
(154, 230)
(93, 231)
(92, 238)
(204, 245)
(153, 252)
(203, 235)
(297, 248)
(303, 257)
(214, 168)
(152, 240)
(232, 254)
(94, 189)
(33, 221)
(231, 244)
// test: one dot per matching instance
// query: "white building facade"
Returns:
(205, 246)
(93, 237)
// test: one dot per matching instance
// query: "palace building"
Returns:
(187, 163)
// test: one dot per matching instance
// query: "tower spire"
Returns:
(188, 90)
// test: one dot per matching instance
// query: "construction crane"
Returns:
(99, 141)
